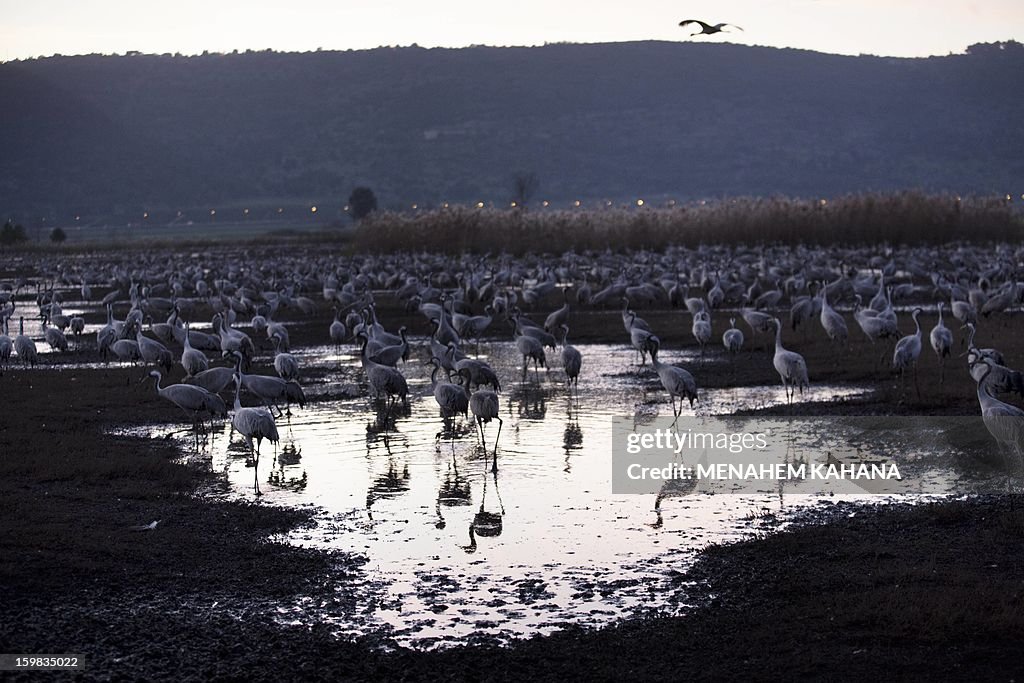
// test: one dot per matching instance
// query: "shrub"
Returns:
(12, 234)
(904, 218)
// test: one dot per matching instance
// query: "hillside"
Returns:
(116, 135)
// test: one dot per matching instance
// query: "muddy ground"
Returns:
(935, 591)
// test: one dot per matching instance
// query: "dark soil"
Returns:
(928, 592)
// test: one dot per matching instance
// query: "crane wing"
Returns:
(687, 22)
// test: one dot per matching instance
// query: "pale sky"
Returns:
(31, 28)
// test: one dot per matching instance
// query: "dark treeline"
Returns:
(117, 135)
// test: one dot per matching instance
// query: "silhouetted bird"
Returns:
(707, 29)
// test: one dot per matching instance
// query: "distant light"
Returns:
(958, 197)
(145, 214)
(445, 205)
(545, 203)
(78, 218)
(703, 202)
(1009, 198)
(513, 205)
(281, 210)
(414, 207)
(479, 205)
(312, 209)
(823, 202)
(213, 212)
(671, 202)
(608, 203)
(345, 209)
(577, 203)
(639, 202)
(245, 211)
(179, 214)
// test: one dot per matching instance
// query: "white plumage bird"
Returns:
(790, 365)
(253, 423)
(483, 403)
(193, 360)
(1004, 422)
(907, 351)
(675, 380)
(191, 399)
(572, 360)
(942, 343)
(24, 347)
(832, 320)
(701, 329)
(732, 338)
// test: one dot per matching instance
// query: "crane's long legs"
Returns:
(494, 467)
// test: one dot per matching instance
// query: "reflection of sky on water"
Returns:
(551, 544)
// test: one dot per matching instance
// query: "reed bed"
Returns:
(904, 218)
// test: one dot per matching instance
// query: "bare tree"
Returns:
(362, 202)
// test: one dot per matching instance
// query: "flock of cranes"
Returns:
(465, 298)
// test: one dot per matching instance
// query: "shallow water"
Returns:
(553, 544)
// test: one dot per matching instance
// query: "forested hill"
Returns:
(121, 134)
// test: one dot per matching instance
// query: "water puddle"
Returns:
(456, 551)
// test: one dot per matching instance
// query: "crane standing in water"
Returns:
(253, 423)
(572, 361)
(675, 380)
(484, 405)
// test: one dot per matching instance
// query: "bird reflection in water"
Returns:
(486, 524)
(529, 401)
(672, 488)
(677, 487)
(455, 491)
(286, 460)
(388, 485)
(572, 437)
(385, 422)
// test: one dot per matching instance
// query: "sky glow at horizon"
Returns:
(905, 28)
